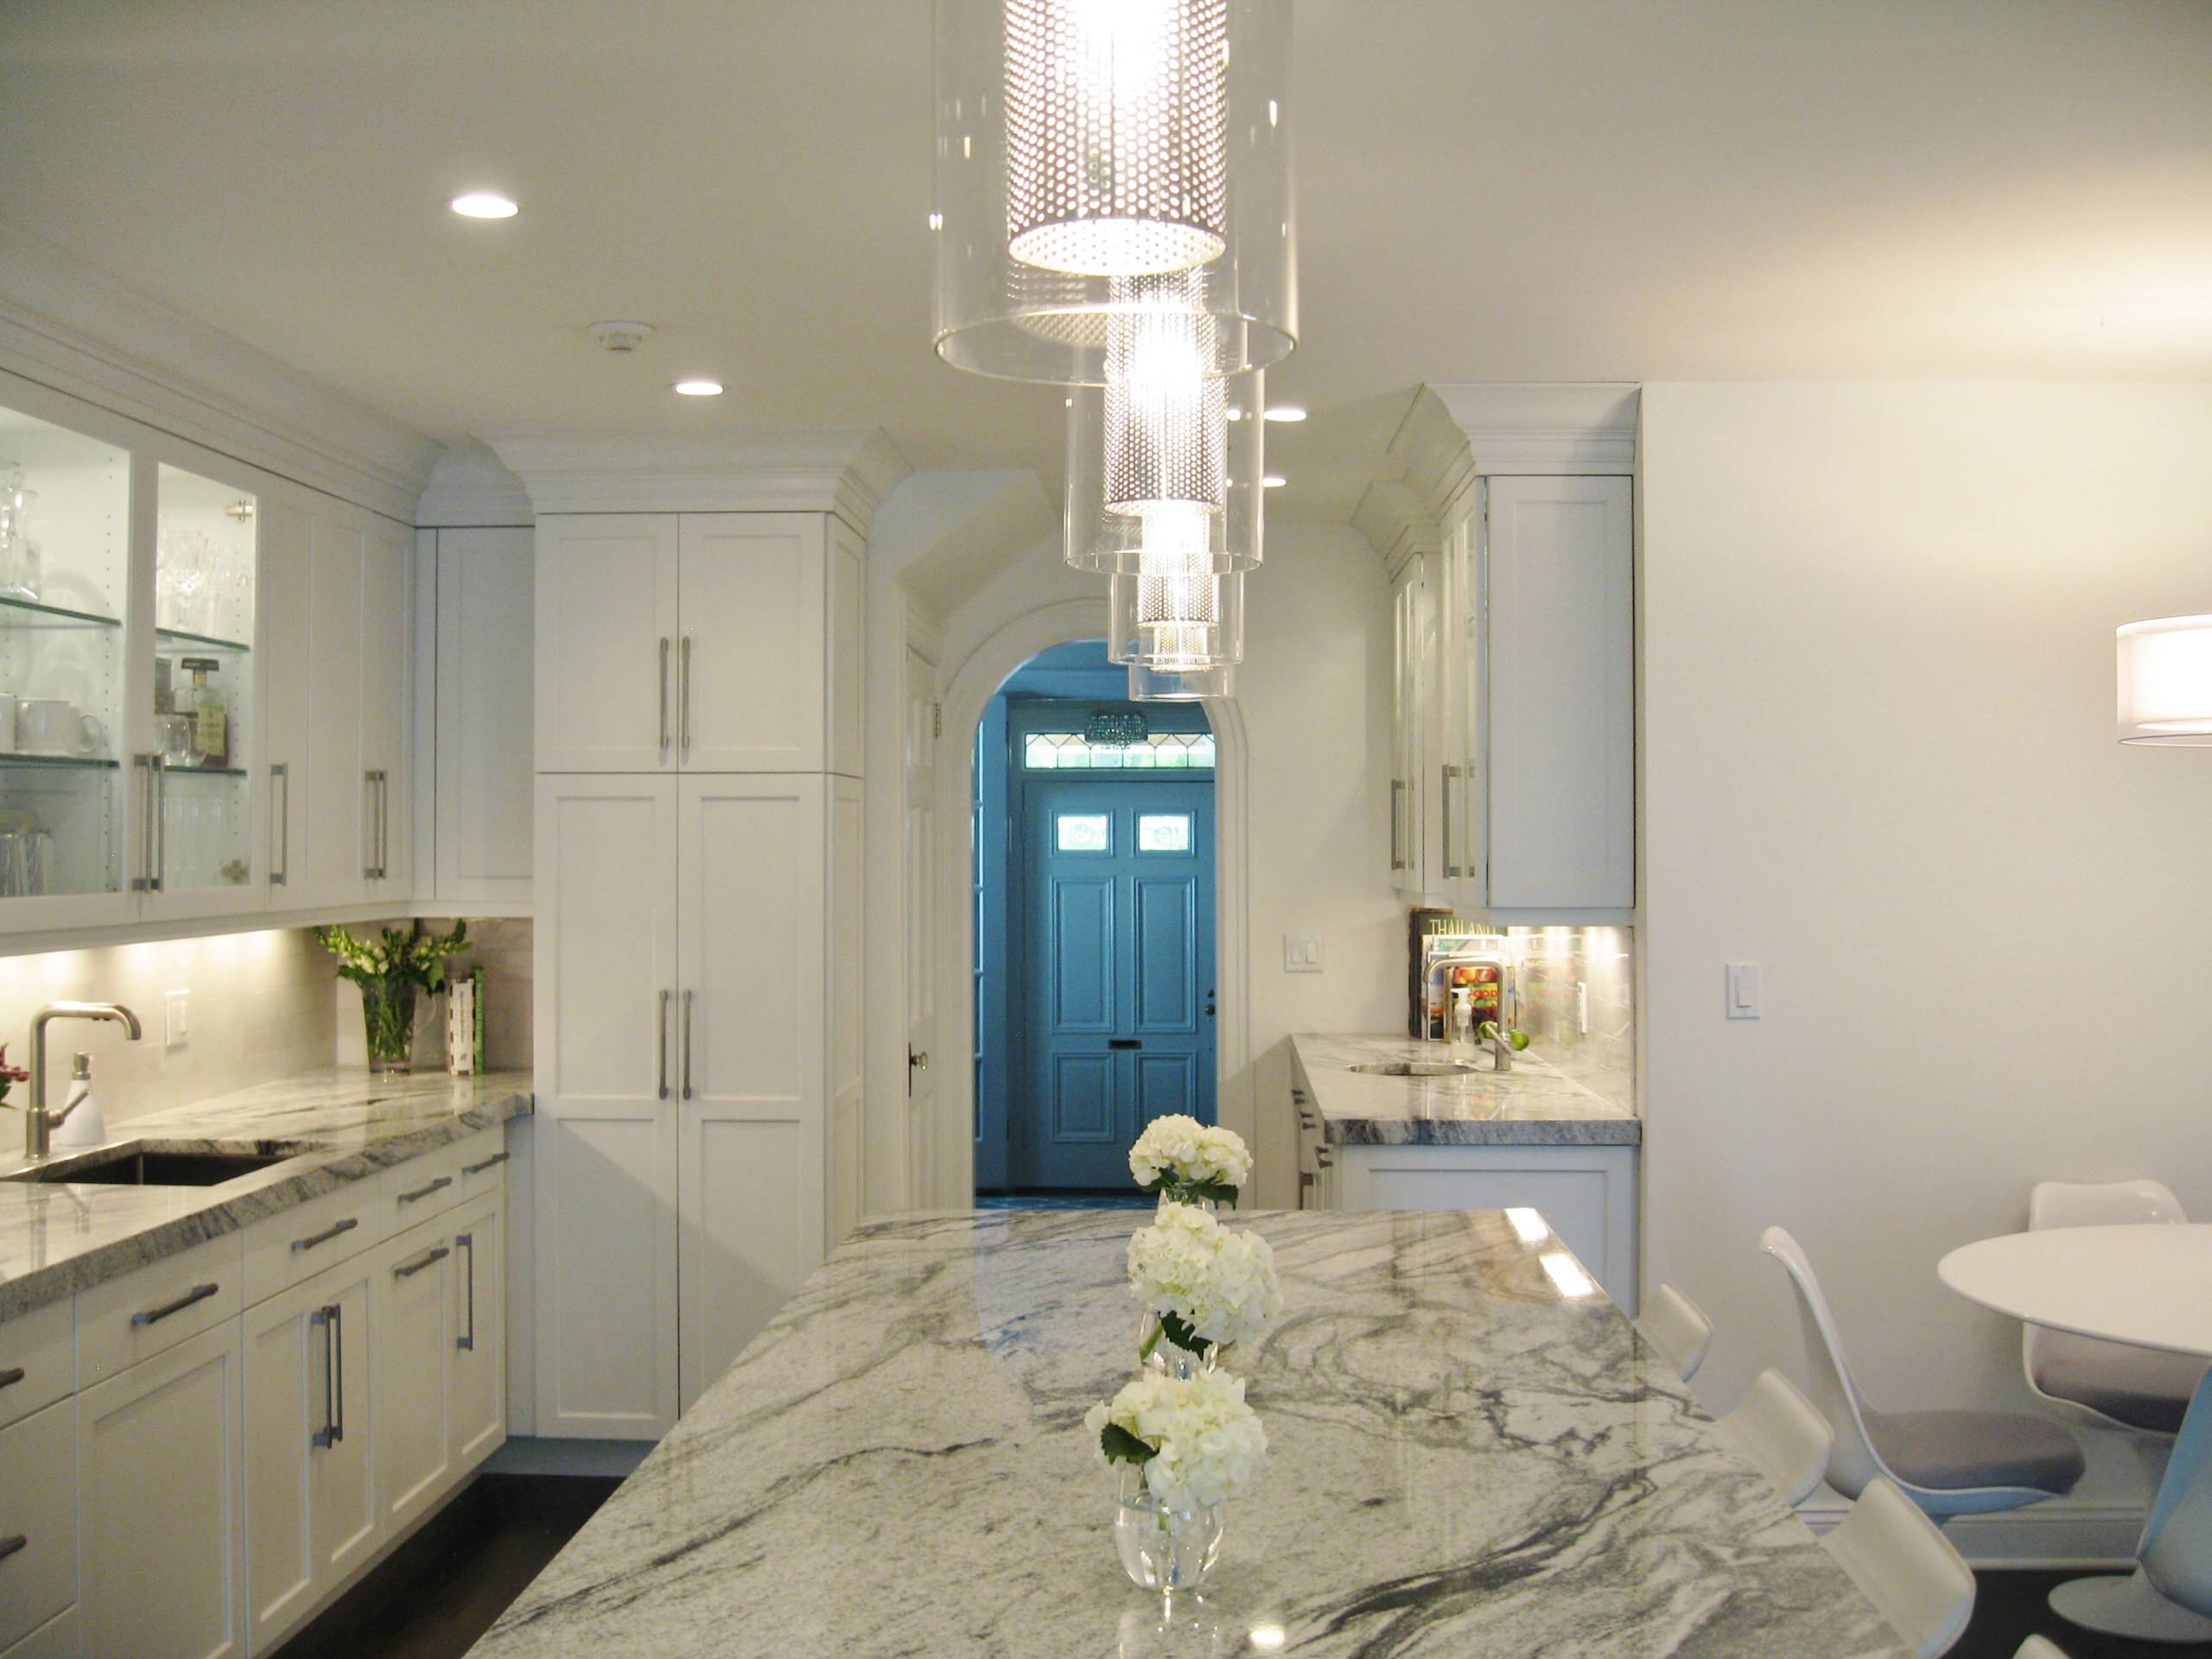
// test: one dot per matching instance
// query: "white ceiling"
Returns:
(1489, 190)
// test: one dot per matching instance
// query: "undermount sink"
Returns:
(142, 1168)
(1416, 1069)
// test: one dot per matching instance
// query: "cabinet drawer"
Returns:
(38, 1359)
(142, 1314)
(293, 1247)
(481, 1164)
(38, 1520)
(426, 1186)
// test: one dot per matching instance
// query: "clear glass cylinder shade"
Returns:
(1161, 481)
(1150, 685)
(1176, 625)
(1097, 159)
(2165, 681)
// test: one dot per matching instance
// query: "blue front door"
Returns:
(1116, 971)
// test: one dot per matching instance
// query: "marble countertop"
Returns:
(57, 1238)
(1462, 1461)
(1531, 1105)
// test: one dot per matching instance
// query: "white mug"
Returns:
(7, 720)
(52, 726)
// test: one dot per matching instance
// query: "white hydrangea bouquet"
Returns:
(1203, 1284)
(1196, 1440)
(1180, 1158)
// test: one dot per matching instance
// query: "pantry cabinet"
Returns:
(478, 626)
(687, 1112)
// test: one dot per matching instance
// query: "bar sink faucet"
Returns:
(38, 1122)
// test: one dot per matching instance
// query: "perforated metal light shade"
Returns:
(1190, 494)
(2165, 681)
(1176, 624)
(1059, 194)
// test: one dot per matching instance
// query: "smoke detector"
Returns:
(621, 336)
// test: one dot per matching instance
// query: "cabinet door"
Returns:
(1409, 708)
(286, 674)
(751, 1064)
(477, 1355)
(605, 619)
(162, 1486)
(751, 660)
(486, 635)
(38, 1519)
(387, 647)
(311, 1507)
(603, 1139)
(1558, 779)
(331, 870)
(411, 1289)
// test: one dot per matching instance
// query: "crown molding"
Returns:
(847, 470)
(1578, 427)
(469, 489)
(1398, 523)
(70, 326)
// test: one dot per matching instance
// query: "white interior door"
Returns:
(751, 1049)
(605, 618)
(923, 1061)
(604, 1137)
(751, 674)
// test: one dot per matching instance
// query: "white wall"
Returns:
(1879, 759)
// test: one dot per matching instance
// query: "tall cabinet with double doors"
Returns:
(204, 682)
(699, 969)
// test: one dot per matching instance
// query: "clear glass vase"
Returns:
(1160, 1355)
(1163, 1548)
(1210, 1206)
(387, 1017)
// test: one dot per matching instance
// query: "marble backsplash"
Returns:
(502, 949)
(1578, 999)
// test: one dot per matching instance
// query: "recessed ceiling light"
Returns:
(483, 204)
(1285, 412)
(699, 388)
(1274, 480)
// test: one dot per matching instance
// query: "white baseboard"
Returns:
(526, 1455)
(2062, 1534)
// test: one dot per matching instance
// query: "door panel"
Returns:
(605, 602)
(1115, 974)
(751, 697)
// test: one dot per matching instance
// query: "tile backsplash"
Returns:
(259, 1007)
(1578, 1004)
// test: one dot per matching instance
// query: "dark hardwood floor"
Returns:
(434, 1595)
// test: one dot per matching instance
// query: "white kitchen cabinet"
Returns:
(1536, 786)
(57, 1638)
(476, 1354)
(311, 1506)
(698, 1019)
(38, 1520)
(483, 633)
(606, 623)
(387, 650)
(1415, 708)
(604, 1135)
(698, 642)
(411, 1303)
(162, 1491)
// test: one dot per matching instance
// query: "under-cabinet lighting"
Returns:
(484, 203)
(699, 388)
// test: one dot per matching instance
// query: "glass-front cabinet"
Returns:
(128, 708)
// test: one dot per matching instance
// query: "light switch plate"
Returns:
(1301, 953)
(175, 1023)
(1743, 990)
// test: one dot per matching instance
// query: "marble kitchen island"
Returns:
(1463, 1460)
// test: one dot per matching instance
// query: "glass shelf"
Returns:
(178, 636)
(203, 771)
(55, 762)
(29, 613)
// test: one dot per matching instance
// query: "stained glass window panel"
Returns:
(1163, 832)
(1083, 832)
(1160, 752)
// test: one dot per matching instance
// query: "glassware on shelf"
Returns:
(177, 731)
(19, 559)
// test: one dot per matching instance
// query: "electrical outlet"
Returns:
(175, 1024)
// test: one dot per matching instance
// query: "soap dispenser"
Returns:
(81, 1125)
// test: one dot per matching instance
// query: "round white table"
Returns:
(2149, 1287)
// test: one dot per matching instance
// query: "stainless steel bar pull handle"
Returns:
(11, 1543)
(1397, 802)
(156, 1315)
(334, 1377)
(684, 680)
(493, 1162)
(281, 874)
(663, 691)
(467, 1242)
(661, 1047)
(686, 1045)
(143, 874)
(12, 1375)
(344, 1224)
(374, 781)
(409, 1270)
(1451, 773)
(161, 823)
(438, 1186)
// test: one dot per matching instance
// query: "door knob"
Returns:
(917, 1061)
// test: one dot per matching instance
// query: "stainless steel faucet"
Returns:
(38, 1122)
(1500, 1043)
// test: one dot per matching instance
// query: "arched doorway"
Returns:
(947, 1179)
(1094, 907)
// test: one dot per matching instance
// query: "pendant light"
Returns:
(1100, 160)
(1151, 685)
(1165, 481)
(2165, 681)
(1176, 623)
